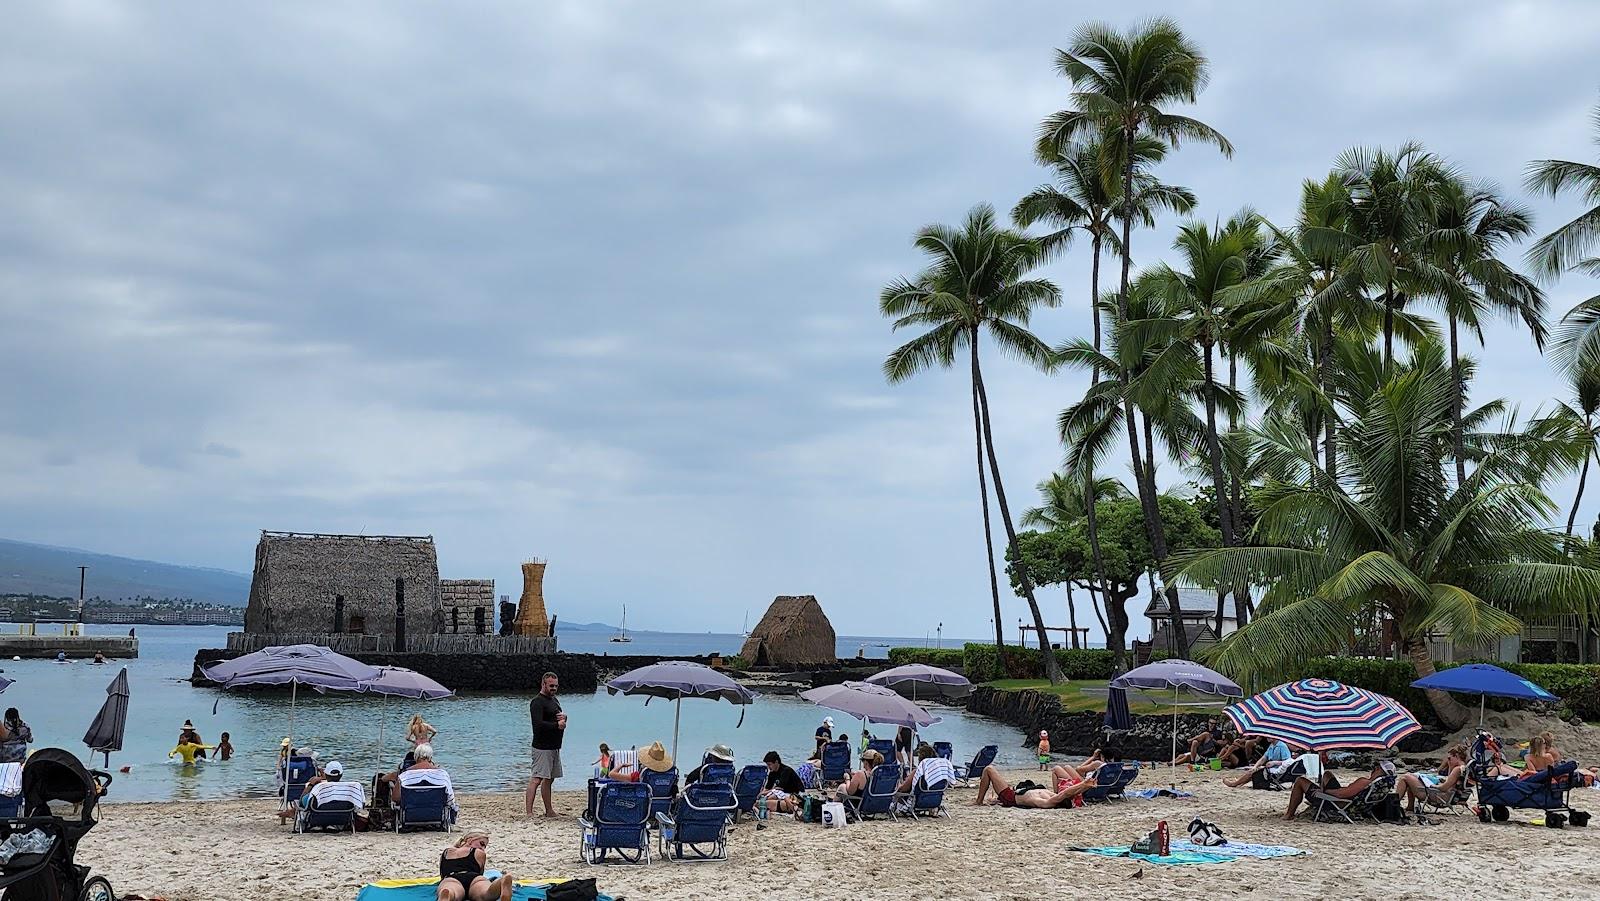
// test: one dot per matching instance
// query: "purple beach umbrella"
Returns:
(676, 680)
(921, 680)
(870, 703)
(1178, 675)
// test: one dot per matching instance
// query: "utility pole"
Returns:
(82, 577)
(939, 635)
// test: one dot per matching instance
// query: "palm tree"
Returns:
(1564, 248)
(1577, 422)
(1085, 197)
(1123, 88)
(1394, 539)
(975, 283)
(1066, 501)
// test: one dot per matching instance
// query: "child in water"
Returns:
(1044, 750)
(224, 747)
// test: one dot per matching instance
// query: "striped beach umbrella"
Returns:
(1324, 715)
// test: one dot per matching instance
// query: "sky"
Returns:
(597, 282)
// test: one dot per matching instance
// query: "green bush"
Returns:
(982, 664)
(1578, 685)
(945, 657)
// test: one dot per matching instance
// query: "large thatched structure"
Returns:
(327, 584)
(794, 632)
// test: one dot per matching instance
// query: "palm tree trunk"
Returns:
(1388, 325)
(1219, 484)
(1052, 669)
(1330, 448)
(1091, 519)
(1458, 390)
(1072, 617)
(1241, 591)
(1094, 300)
(1583, 476)
(988, 530)
(1450, 712)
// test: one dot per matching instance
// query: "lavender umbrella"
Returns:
(1177, 675)
(292, 665)
(919, 679)
(870, 703)
(106, 732)
(679, 679)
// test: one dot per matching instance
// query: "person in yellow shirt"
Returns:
(187, 750)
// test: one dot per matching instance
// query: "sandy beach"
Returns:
(234, 849)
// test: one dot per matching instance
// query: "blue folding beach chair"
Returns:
(663, 786)
(1111, 780)
(835, 761)
(945, 749)
(300, 771)
(928, 801)
(717, 772)
(979, 763)
(423, 807)
(877, 799)
(618, 825)
(334, 816)
(885, 747)
(752, 779)
(696, 828)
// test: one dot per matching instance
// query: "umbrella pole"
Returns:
(1482, 700)
(1174, 724)
(677, 714)
(294, 689)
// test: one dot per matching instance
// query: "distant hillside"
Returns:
(42, 569)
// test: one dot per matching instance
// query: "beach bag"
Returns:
(809, 809)
(1207, 834)
(1388, 810)
(1155, 844)
(833, 815)
(572, 890)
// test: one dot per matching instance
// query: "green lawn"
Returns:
(1074, 700)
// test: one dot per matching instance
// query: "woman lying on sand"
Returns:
(461, 872)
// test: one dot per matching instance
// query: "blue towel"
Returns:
(1189, 854)
(1240, 849)
(1149, 793)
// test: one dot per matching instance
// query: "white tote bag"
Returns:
(833, 815)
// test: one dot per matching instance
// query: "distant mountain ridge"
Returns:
(27, 568)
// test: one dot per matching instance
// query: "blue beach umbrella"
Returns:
(1176, 675)
(676, 680)
(1484, 680)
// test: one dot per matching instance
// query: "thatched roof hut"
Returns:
(794, 632)
(308, 583)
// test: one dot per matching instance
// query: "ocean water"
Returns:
(483, 737)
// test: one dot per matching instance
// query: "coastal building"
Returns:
(1198, 610)
(793, 632)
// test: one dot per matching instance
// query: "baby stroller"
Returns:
(58, 808)
(1547, 791)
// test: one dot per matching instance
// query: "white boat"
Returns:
(622, 630)
(747, 624)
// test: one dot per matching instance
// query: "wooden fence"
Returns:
(384, 644)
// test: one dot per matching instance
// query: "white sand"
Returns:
(235, 850)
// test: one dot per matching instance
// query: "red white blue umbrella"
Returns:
(1322, 715)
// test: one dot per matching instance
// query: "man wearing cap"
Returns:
(824, 732)
(714, 754)
(330, 787)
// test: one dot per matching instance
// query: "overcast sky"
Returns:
(597, 282)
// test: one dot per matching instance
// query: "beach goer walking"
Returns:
(904, 741)
(419, 732)
(602, 764)
(461, 869)
(549, 725)
(15, 736)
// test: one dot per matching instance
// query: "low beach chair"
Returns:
(1269, 779)
(423, 807)
(696, 826)
(663, 788)
(924, 801)
(835, 761)
(980, 761)
(299, 771)
(619, 824)
(334, 816)
(1331, 808)
(1110, 780)
(883, 746)
(752, 779)
(945, 749)
(718, 772)
(877, 798)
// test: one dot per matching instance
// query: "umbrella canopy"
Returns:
(6, 683)
(105, 733)
(922, 681)
(679, 679)
(296, 664)
(872, 703)
(1322, 715)
(1178, 674)
(1484, 679)
(397, 681)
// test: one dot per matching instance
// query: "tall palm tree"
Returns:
(976, 283)
(1124, 85)
(1477, 223)
(1577, 421)
(1065, 501)
(1395, 538)
(1085, 196)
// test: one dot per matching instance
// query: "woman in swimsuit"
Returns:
(461, 872)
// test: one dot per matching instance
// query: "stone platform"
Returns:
(115, 647)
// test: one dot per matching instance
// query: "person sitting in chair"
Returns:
(856, 785)
(424, 772)
(1069, 785)
(1202, 746)
(931, 770)
(330, 787)
(718, 753)
(1304, 786)
(1275, 761)
(461, 869)
(1438, 792)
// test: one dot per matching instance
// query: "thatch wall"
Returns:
(532, 619)
(794, 632)
(298, 576)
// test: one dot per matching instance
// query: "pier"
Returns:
(66, 638)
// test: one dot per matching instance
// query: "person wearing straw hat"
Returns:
(188, 735)
(656, 758)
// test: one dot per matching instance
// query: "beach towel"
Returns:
(1189, 854)
(427, 890)
(1243, 849)
(1149, 793)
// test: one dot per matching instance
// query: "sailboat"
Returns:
(747, 624)
(622, 630)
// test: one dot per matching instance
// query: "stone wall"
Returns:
(467, 672)
(468, 606)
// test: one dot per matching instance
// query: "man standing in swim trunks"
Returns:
(1069, 785)
(549, 724)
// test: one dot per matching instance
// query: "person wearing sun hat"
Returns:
(656, 758)
(718, 753)
(187, 735)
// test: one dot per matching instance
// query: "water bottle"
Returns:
(761, 809)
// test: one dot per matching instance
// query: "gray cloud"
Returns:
(598, 282)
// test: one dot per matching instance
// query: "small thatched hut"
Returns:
(794, 632)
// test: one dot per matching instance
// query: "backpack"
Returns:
(810, 809)
(1206, 834)
(1388, 810)
(572, 890)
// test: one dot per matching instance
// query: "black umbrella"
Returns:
(105, 733)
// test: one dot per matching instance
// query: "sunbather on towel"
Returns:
(1304, 786)
(1414, 788)
(461, 872)
(1069, 785)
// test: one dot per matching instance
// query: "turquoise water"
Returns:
(483, 737)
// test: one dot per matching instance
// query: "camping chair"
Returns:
(618, 824)
(885, 747)
(1110, 780)
(945, 749)
(921, 801)
(752, 779)
(835, 761)
(877, 797)
(1276, 779)
(696, 826)
(663, 786)
(423, 806)
(717, 772)
(300, 771)
(334, 816)
(980, 762)
(1331, 808)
